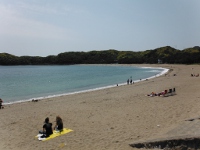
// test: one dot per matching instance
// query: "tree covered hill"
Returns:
(165, 54)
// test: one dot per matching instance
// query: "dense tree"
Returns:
(166, 54)
(8, 59)
(50, 60)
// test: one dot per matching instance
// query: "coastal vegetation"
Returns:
(165, 54)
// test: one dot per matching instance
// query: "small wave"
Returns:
(153, 71)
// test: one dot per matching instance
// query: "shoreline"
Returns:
(107, 119)
(165, 70)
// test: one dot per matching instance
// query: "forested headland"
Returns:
(165, 54)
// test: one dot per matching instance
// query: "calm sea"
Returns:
(24, 83)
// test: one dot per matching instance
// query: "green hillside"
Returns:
(165, 54)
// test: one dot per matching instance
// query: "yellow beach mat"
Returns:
(55, 134)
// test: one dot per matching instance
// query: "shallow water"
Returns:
(20, 83)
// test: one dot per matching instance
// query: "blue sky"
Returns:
(49, 27)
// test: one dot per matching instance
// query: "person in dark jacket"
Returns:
(47, 128)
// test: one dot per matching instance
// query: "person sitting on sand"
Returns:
(59, 124)
(47, 128)
(152, 94)
(159, 94)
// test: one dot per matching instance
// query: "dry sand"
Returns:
(106, 119)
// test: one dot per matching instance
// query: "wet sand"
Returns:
(106, 119)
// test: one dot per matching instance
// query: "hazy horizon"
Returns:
(42, 28)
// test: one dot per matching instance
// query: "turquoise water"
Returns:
(20, 83)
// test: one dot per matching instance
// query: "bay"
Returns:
(24, 83)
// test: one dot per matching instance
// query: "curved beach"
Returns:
(109, 118)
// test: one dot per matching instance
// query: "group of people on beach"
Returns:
(48, 129)
(130, 81)
(193, 75)
(163, 93)
(156, 94)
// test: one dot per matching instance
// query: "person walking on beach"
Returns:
(131, 81)
(128, 81)
(1, 101)
(47, 129)
(59, 124)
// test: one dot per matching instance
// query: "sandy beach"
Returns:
(108, 119)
